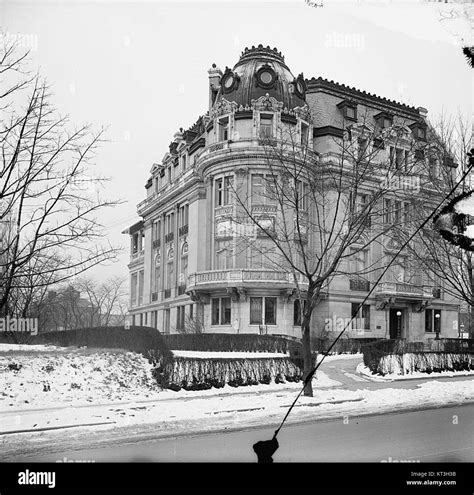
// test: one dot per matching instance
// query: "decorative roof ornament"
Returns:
(223, 107)
(267, 103)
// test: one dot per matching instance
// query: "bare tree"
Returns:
(314, 216)
(107, 298)
(49, 199)
(449, 267)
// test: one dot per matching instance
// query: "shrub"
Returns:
(136, 339)
(200, 374)
(218, 342)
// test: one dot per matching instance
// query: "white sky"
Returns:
(140, 68)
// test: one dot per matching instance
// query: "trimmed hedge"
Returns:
(395, 355)
(226, 342)
(136, 339)
(205, 373)
(425, 362)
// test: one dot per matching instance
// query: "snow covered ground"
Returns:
(82, 376)
(27, 347)
(109, 390)
(390, 377)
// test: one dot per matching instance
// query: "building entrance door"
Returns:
(396, 323)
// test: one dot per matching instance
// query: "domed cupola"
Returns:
(258, 72)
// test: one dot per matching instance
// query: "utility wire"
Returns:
(313, 371)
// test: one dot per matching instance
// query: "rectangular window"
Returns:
(215, 311)
(141, 283)
(399, 159)
(183, 162)
(362, 317)
(350, 113)
(428, 320)
(304, 134)
(258, 189)
(224, 129)
(362, 209)
(226, 311)
(133, 289)
(223, 190)
(302, 192)
(183, 215)
(169, 225)
(256, 305)
(266, 126)
(363, 145)
(297, 312)
(180, 317)
(169, 174)
(221, 311)
(270, 310)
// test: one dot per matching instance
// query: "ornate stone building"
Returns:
(187, 268)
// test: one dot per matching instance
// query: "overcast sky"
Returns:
(140, 68)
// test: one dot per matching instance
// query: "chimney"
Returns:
(423, 112)
(215, 75)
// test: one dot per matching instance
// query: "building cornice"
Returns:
(343, 91)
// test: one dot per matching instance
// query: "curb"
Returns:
(48, 428)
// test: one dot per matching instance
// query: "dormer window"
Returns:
(383, 120)
(419, 131)
(224, 129)
(348, 109)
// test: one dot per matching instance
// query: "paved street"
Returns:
(437, 435)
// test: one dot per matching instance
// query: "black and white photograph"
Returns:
(237, 232)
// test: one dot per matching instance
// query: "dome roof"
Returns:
(260, 71)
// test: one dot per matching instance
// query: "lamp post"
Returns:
(399, 324)
(437, 323)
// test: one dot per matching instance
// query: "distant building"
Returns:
(184, 263)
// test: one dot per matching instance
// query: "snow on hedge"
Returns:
(227, 355)
(426, 362)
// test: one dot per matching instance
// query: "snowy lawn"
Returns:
(27, 348)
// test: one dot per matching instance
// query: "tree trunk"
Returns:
(307, 357)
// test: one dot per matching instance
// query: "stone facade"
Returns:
(188, 271)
